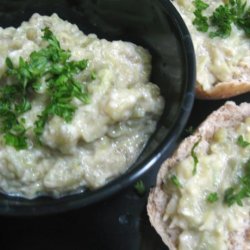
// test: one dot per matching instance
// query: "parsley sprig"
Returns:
(200, 21)
(221, 20)
(174, 179)
(212, 197)
(242, 142)
(244, 22)
(140, 188)
(50, 65)
(194, 156)
(240, 191)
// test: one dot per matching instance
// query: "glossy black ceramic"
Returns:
(155, 25)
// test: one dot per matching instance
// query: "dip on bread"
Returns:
(201, 207)
(223, 63)
(202, 195)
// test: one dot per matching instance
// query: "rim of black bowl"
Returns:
(57, 205)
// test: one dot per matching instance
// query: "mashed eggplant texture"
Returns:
(76, 110)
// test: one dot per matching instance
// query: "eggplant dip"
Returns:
(76, 111)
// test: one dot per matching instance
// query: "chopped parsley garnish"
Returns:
(195, 158)
(239, 191)
(93, 75)
(221, 20)
(241, 142)
(212, 197)
(200, 21)
(243, 22)
(48, 66)
(140, 187)
(176, 181)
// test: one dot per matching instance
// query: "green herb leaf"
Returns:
(195, 158)
(17, 141)
(9, 63)
(50, 66)
(222, 19)
(200, 21)
(175, 181)
(23, 107)
(241, 142)
(231, 196)
(93, 75)
(238, 7)
(200, 5)
(40, 124)
(48, 35)
(140, 187)
(243, 22)
(240, 191)
(212, 197)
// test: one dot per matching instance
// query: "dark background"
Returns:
(119, 223)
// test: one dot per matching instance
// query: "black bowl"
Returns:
(154, 24)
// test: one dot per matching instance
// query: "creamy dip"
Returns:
(221, 163)
(218, 59)
(104, 137)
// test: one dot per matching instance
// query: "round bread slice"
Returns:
(228, 115)
(223, 64)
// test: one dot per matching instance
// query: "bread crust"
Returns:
(226, 89)
(222, 90)
(228, 115)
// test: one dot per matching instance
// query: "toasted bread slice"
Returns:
(223, 64)
(228, 116)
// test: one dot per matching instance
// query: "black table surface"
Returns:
(119, 223)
